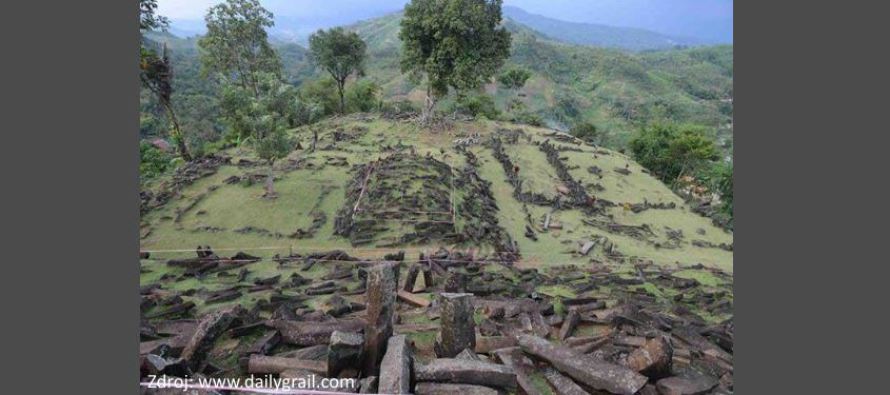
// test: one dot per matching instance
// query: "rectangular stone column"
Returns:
(457, 327)
(381, 297)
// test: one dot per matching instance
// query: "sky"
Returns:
(710, 20)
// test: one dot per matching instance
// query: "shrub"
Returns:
(528, 118)
(363, 96)
(671, 151)
(585, 131)
(152, 161)
(476, 105)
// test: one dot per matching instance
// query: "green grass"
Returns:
(231, 207)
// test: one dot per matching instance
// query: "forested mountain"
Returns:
(614, 90)
(598, 35)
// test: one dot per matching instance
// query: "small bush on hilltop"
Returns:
(671, 151)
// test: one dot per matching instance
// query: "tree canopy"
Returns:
(236, 45)
(585, 131)
(671, 151)
(454, 43)
(514, 78)
(340, 53)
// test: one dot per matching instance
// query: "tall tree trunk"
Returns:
(426, 116)
(177, 134)
(270, 181)
(340, 84)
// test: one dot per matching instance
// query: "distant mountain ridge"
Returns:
(298, 29)
(615, 89)
(598, 35)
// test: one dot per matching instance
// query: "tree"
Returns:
(236, 45)
(672, 151)
(454, 43)
(248, 116)
(148, 16)
(585, 131)
(340, 53)
(513, 80)
(156, 72)
(722, 183)
(273, 145)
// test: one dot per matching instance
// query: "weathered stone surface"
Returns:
(513, 358)
(458, 329)
(415, 300)
(210, 327)
(593, 372)
(562, 384)
(395, 369)
(315, 353)
(368, 385)
(653, 359)
(487, 344)
(585, 249)
(569, 324)
(455, 281)
(265, 343)
(685, 386)
(381, 300)
(468, 355)
(427, 276)
(430, 388)
(460, 371)
(411, 278)
(307, 333)
(345, 351)
(261, 364)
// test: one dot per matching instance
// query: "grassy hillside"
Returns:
(636, 217)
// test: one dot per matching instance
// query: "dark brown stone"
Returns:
(368, 385)
(593, 372)
(262, 364)
(562, 384)
(487, 344)
(513, 358)
(569, 324)
(411, 278)
(460, 371)
(344, 351)
(455, 281)
(653, 359)
(381, 301)
(457, 326)
(306, 333)
(686, 386)
(208, 330)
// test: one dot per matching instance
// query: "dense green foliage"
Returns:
(514, 78)
(671, 151)
(340, 53)
(476, 104)
(568, 85)
(721, 182)
(454, 43)
(152, 161)
(585, 131)
(236, 48)
(617, 91)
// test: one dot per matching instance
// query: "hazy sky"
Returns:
(706, 19)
